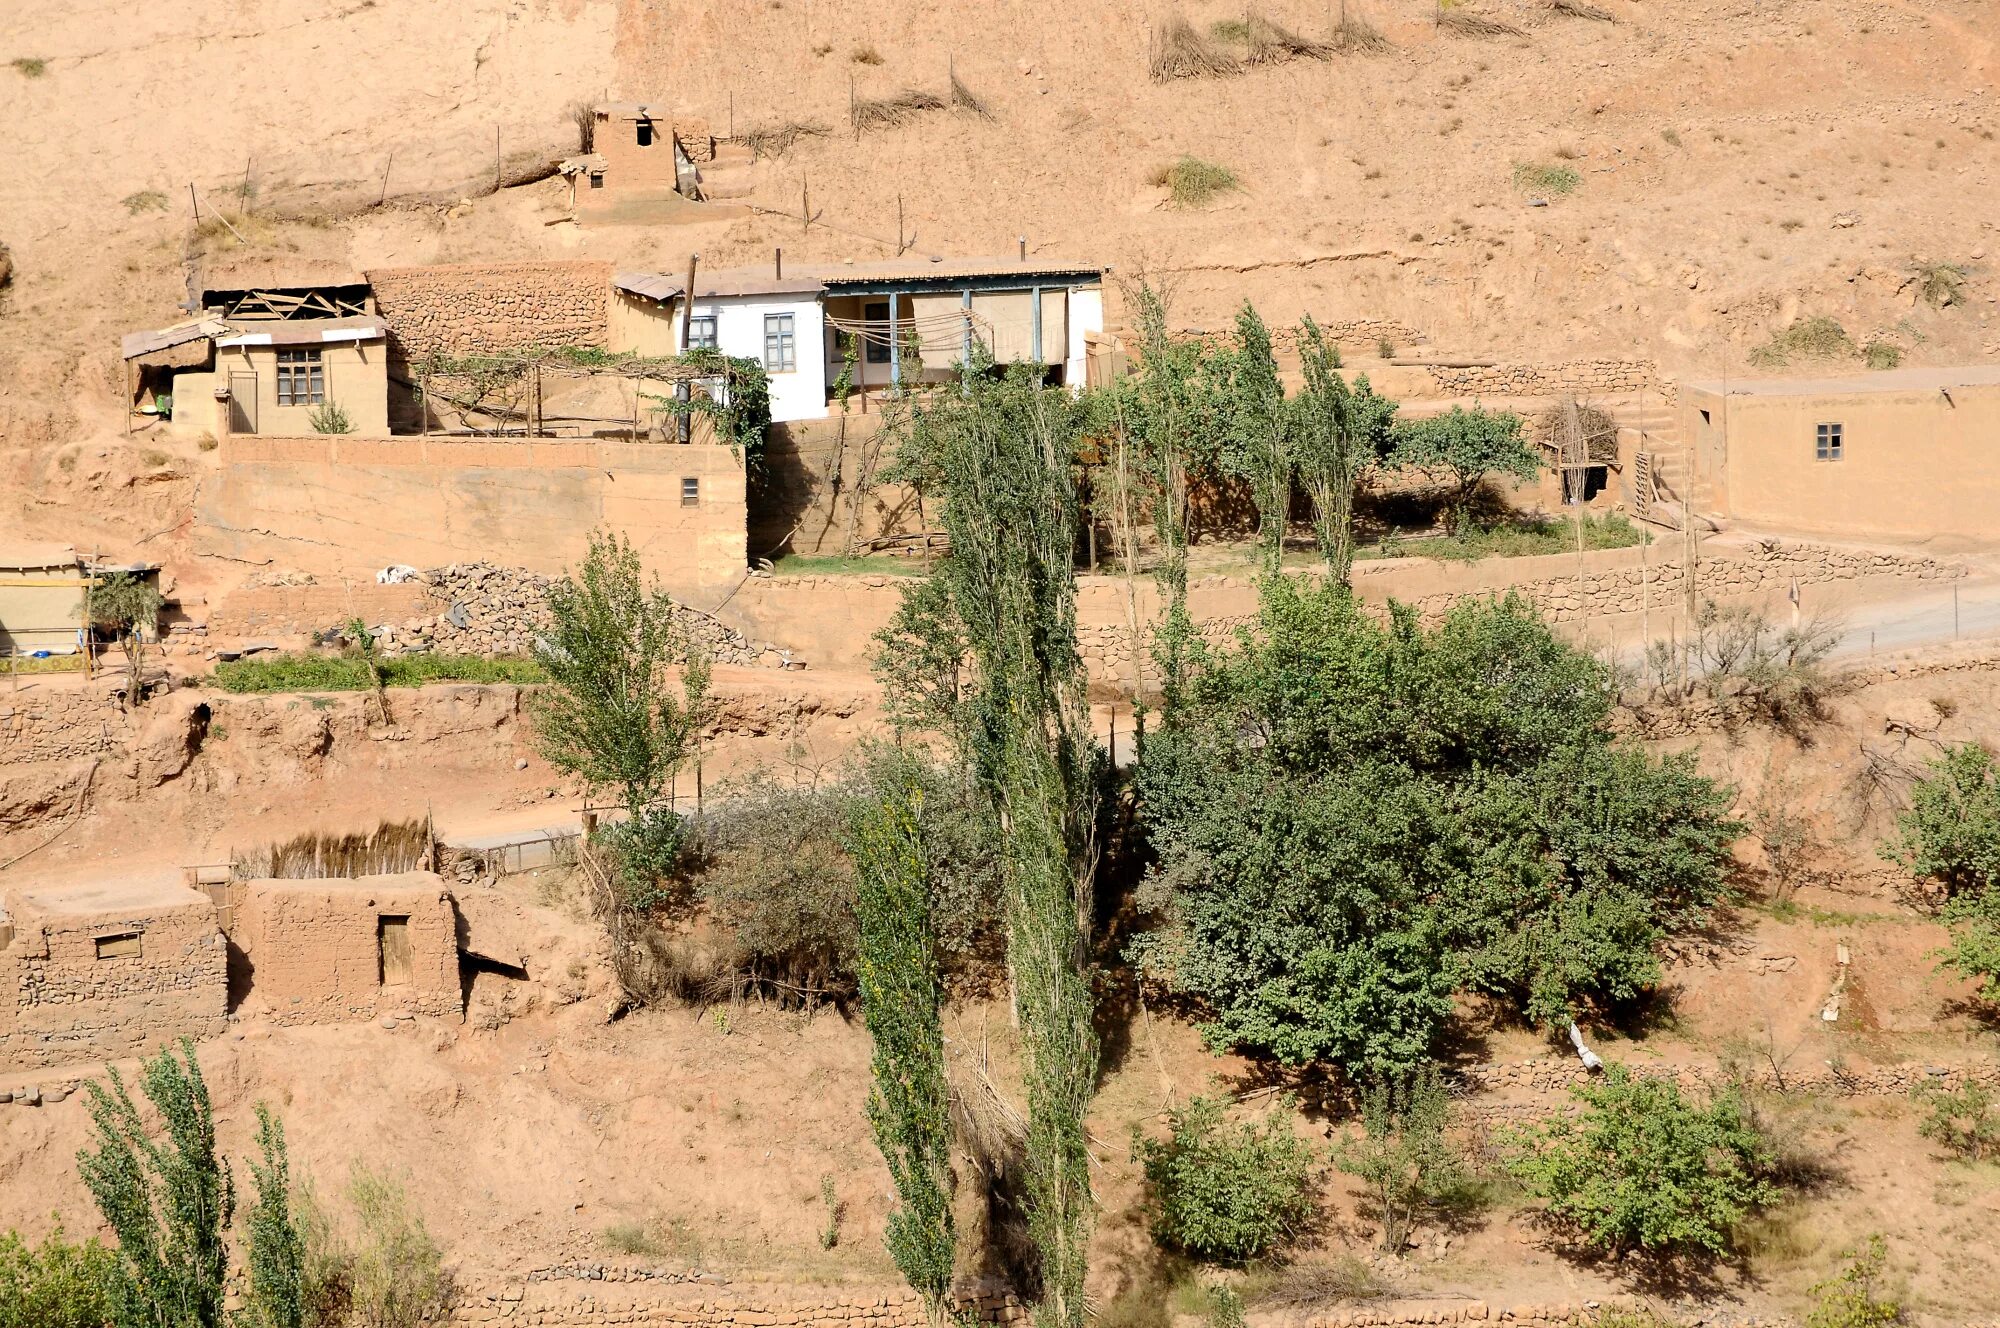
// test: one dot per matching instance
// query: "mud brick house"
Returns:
(100, 972)
(1904, 453)
(327, 951)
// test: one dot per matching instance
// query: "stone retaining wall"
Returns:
(467, 308)
(59, 721)
(591, 1295)
(1584, 378)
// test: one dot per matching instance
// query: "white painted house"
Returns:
(803, 326)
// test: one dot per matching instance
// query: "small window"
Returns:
(780, 346)
(701, 332)
(1827, 442)
(301, 378)
(123, 945)
(597, 179)
(690, 491)
(645, 133)
(878, 342)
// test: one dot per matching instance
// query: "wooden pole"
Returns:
(805, 204)
(687, 304)
(899, 225)
(384, 196)
(194, 203)
(496, 159)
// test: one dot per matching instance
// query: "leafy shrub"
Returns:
(1950, 837)
(1940, 284)
(1402, 1154)
(1963, 1119)
(30, 66)
(1555, 181)
(330, 417)
(57, 1284)
(1354, 821)
(1191, 182)
(1226, 1192)
(276, 1254)
(1817, 338)
(350, 673)
(1851, 1297)
(1642, 1168)
(650, 850)
(398, 1274)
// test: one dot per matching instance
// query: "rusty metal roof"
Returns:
(135, 344)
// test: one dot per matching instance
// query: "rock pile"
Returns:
(484, 609)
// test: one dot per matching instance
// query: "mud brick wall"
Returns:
(316, 948)
(480, 308)
(1583, 378)
(61, 1003)
(59, 721)
(289, 611)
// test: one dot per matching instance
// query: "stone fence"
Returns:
(59, 722)
(463, 308)
(1583, 378)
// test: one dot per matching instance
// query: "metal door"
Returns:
(243, 403)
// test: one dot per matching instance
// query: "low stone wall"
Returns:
(290, 611)
(466, 308)
(59, 721)
(1584, 378)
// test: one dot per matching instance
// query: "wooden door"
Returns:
(392, 944)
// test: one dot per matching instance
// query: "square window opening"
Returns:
(301, 378)
(645, 133)
(120, 945)
(1829, 442)
(878, 339)
(702, 332)
(690, 491)
(597, 179)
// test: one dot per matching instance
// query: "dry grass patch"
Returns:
(866, 55)
(1554, 181)
(1581, 9)
(1179, 51)
(964, 99)
(1882, 355)
(776, 140)
(393, 846)
(890, 112)
(1940, 284)
(1191, 182)
(1268, 43)
(29, 66)
(1355, 33)
(1465, 23)
(1818, 338)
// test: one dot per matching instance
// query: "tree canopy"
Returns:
(1469, 446)
(1355, 820)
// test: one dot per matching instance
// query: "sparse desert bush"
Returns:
(29, 66)
(1555, 181)
(1672, 137)
(1267, 42)
(1355, 33)
(398, 1275)
(153, 458)
(330, 417)
(1341, 1280)
(1853, 1297)
(1385, 348)
(1180, 51)
(1642, 1168)
(866, 54)
(1582, 9)
(1738, 657)
(1964, 1120)
(890, 112)
(633, 1237)
(965, 99)
(775, 140)
(1222, 1191)
(1465, 23)
(205, 442)
(146, 200)
(829, 1232)
(1881, 355)
(1940, 284)
(1817, 338)
(1191, 182)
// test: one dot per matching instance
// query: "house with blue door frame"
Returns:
(806, 326)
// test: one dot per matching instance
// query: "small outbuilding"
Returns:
(325, 951)
(104, 972)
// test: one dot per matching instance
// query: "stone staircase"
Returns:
(732, 174)
(1659, 476)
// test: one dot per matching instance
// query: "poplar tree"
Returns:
(1339, 432)
(901, 997)
(276, 1256)
(168, 1201)
(998, 452)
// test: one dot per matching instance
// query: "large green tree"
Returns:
(1339, 433)
(1357, 820)
(1468, 447)
(1950, 838)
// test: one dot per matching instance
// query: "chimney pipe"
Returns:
(778, 264)
(1022, 240)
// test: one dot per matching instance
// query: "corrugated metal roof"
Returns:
(725, 283)
(135, 344)
(304, 331)
(813, 279)
(22, 555)
(952, 269)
